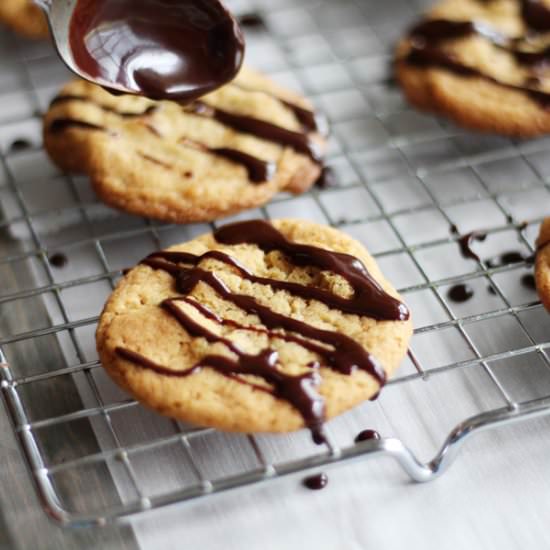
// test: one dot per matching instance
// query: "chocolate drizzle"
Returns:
(335, 350)
(59, 125)
(428, 36)
(466, 242)
(259, 171)
(300, 141)
(369, 297)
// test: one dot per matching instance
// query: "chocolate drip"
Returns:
(60, 125)
(58, 260)
(466, 241)
(507, 258)
(163, 49)
(369, 297)
(20, 145)
(300, 391)
(528, 281)
(299, 141)
(316, 483)
(336, 351)
(310, 120)
(461, 293)
(252, 20)
(367, 435)
(259, 171)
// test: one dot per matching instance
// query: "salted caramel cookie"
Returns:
(25, 17)
(259, 327)
(484, 63)
(231, 151)
(542, 264)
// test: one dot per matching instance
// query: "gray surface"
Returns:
(404, 178)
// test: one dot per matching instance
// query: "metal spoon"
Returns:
(169, 64)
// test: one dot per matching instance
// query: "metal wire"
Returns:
(386, 157)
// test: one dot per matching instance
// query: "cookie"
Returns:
(542, 264)
(231, 151)
(483, 63)
(25, 17)
(259, 327)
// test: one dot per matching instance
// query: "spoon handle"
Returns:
(44, 4)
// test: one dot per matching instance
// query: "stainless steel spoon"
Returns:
(195, 71)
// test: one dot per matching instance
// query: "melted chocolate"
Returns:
(316, 483)
(312, 121)
(431, 57)
(460, 293)
(528, 281)
(251, 20)
(508, 258)
(162, 49)
(337, 351)
(535, 14)
(434, 31)
(301, 142)
(20, 145)
(259, 171)
(466, 241)
(60, 125)
(428, 35)
(58, 260)
(367, 435)
(369, 297)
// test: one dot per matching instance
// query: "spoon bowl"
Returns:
(163, 49)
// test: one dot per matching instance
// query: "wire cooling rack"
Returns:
(403, 179)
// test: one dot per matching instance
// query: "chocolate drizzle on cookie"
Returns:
(259, 170)
(428, 37)
(335, 350)
(300, 141)
(60, 125)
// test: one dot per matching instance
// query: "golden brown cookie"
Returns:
(257, 328)
(484, 63)
(542, 265)
(25, 17)
(231, 151)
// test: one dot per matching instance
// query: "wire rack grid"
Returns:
(403, 179)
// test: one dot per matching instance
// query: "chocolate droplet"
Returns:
(316, 483)
(367, 435)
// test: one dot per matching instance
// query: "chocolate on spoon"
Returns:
(163, 49)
